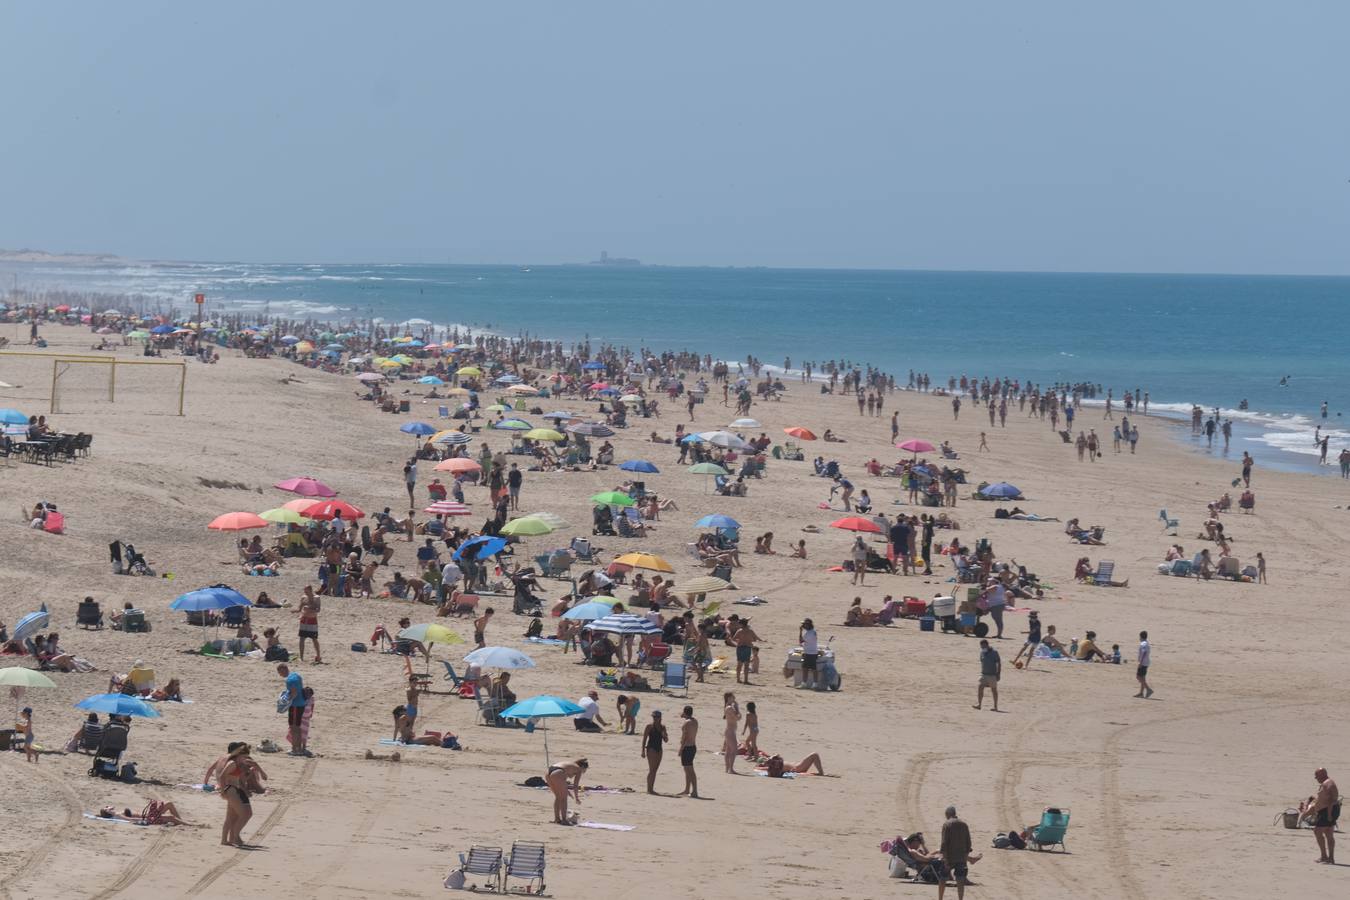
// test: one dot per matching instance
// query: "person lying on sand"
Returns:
(157, 812)
(403, 730)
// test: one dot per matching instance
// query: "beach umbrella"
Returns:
(717, 520)
(215, 597)
(12, 417)
(542, 707)
(499, 658)
(513, 425)
(420, 429)
(693, 438)
(916, 446)
(481, 547)
(1000, 489)
(625, 623)
(704, 584)
(334, 348)
(600, 386)
(118, 705)
(447, 508)
(430, 379)
(609, 392)
(237, 521)
(388, 364)
(801, 434)
(289, 339)
(304, 347)
(856, 523)
(649, 561)
(639, 465)
(369, 377)
(543, 434)
(631, 398)
(497, 407)
(459, 465)
(138, 334)
(282, 516)
(590, 610)
(526, 526)
(508, 378)
(31, 624)
(469, 371)
(552, 520)
(451, 437)
(745, 423)
(707, 468)
(522, 390)
(725, 439)
(612, 498)
(558, 415)
(331, 509)
(18, 676)
(430, 633)
(587, 429)
(162, 329)
(299, 504)
(305, 486)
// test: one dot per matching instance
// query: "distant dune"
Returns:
(43, 256)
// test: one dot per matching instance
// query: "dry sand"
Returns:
(1170, 797)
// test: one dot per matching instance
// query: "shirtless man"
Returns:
(744, 641)
(688, 749)
(480, 625)
(1326, 809)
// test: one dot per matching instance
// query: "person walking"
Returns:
(991, 669)
(653, 737)
(1326, 809)
(294, 698)
(688, 750)
(514, 479)
(956, 853)
(1145, 659)
(309, 608)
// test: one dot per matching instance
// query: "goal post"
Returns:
(66, 383)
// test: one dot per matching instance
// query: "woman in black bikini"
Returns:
(652, 738)
(558, 782)
(233, 784)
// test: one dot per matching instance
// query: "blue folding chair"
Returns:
(1051, 831)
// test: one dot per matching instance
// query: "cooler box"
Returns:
(944, 607)
(927, 623)
(915, 607)
(968, 620)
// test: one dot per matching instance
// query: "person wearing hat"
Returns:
(1033, 639)
(653, 737)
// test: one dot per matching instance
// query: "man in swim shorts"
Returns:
(1326, 810)
(688, 749)
(744, 639)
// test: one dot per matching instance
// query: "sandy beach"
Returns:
(1173, 796)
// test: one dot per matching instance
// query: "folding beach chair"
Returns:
(443, 412)
(925, 872)
(1054, 824)
(675, 677)
(485, 861)
(1169, 522)
(1105, 569)
(582, 550)
(526, 862)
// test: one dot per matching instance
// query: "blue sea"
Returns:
(1209, 339)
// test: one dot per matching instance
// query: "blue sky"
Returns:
(1200, 136)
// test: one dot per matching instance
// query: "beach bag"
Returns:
(897, 868)
(1001, 841)
(455, 880)
(358, 647)
(450, 742)
(1290, 818)
(1016, 841)
(775, 767)
(284, 701)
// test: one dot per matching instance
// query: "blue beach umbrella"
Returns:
(609, 392)
(31, 624)
(717, 520)
(588, 612)
(118, 705)
(691, 438)
(216, 597)
(430, 379)
(1001, 489)
(481, 547)
(542, 707)
(290, 339)
(12, 417)
(334, 348)
(417, 428)
(593, 366)
(162, 329)
(639, 465)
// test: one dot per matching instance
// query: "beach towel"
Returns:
(113, 821)
(390, 742)
(205, 788)
(157, 700)
(605, 827)
(547, 641)
(764, 773)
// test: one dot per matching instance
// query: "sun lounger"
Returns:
(1105, 569)
(1051, 831)
(485, 861)
(1168, 522)
(675, 677)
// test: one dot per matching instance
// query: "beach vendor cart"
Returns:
(827, 672)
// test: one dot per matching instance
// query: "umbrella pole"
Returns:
(547, 762)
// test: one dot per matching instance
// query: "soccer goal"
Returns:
(86, 383)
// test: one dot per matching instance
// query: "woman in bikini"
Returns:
(565, 779)
(310, 605)
(751, 731)
(233, 784)
(652, 739)
(731, 715)
(156, 812)
(403, 730)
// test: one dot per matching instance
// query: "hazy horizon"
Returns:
(1046, 137)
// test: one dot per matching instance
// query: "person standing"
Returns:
(688, 750)
(956, 855)
(806, 634)
(731, 717)
(1326, 809)
(237, 776)
(929, 524)
(1145, 659)
(895, 426)
(745, 641)
(995, 599)
(309, 608)
(991, 669)
(653, 737)
(563, 780)
(410, 480)
(859, 560)
(295, 709)
(514, 479)
(480, 625)
(26, 726)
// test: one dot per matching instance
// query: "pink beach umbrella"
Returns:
(448, 508)
(305, 486)
(916, 446)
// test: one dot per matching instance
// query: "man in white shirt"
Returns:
(1145, 659)
(450, 575)
(810, 652)
(589, 719)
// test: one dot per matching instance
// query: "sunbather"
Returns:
(157, 812)
(857, 616)
(403, 730)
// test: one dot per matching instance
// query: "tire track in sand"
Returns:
(74, 812)
(393, 772)
(229, 862)
(137, 868)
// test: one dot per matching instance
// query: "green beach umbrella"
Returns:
(612, 498)
(526, 526)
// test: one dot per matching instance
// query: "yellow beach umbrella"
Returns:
(389, 364)
(304, 347)
(542, 434)
(283, 516)
(469, 371)
(649, 561)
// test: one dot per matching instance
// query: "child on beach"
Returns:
(25, 727)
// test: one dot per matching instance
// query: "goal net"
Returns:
(89, 386)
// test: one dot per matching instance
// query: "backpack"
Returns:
(1016, 841)
(775, 767)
